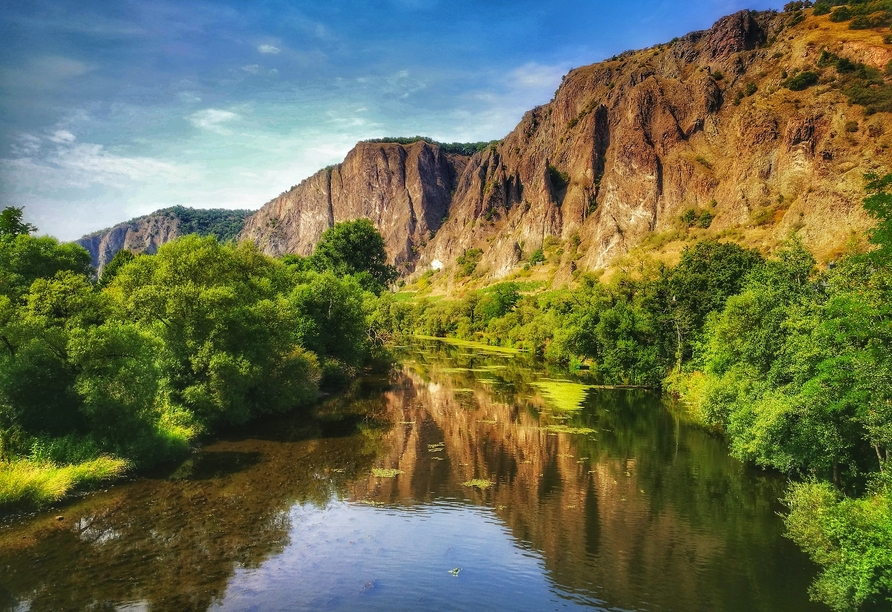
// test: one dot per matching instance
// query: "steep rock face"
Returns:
(405, 190)
(626, 147)
(142, 235)
(629, 144)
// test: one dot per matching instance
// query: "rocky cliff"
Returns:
(704, 124)
(145, 234)
(760, 126)
(705, 128)
(406, 190)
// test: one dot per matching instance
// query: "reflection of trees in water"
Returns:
(174, 543)
(648, 509)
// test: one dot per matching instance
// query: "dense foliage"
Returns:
(790, 362)
(222, 223)
(632, 330)
(165, 347)
(454, 148)
(355, 248)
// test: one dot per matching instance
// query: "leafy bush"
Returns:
(841, 13)
(559, 180)
(803, 80)
(467, 262)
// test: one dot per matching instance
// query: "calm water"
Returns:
(644, 513)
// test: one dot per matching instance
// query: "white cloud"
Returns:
(213, 120)
(252, 68)
(268, 49)
(62, 137)
(25, 145)
(537, 76)
(83, 165)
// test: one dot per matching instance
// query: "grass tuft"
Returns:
(24, 482)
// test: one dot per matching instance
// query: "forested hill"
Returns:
(147, 233)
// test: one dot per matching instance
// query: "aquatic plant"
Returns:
(564, 395)
(385, 472)
(560, 428)
(480, 483)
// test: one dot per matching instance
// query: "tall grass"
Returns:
(29, 483)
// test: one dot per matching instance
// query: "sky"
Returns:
(113, 109)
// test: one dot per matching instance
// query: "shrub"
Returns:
(803, 80)
(841, 13)
(750, 89)
(559, 180)
(705, 219)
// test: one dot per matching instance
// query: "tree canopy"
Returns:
(355, 248)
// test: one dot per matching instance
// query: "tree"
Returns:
(879, 205)
(355, 247)
(111, 269)
(708, 274)
(11, 224)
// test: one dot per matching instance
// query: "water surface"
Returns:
(615, 504)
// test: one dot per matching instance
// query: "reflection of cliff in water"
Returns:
(646, 509)
(645, 513)
(174, 543)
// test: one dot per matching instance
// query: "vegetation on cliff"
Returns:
(128, 371)
(454, 148)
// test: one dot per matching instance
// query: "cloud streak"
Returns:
(214, 120)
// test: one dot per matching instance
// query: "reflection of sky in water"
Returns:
(351, 556)
(616, 501)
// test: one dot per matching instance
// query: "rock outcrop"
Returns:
(146, 234)
(406, 190)
(703, 127)
(626, 146)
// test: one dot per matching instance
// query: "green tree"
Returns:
(879, 206)
(111, 269)
(355, 248)
(11, 224)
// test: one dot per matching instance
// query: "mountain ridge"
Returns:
(706, 135)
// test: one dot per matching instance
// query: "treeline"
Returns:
(791, 363)
(222, 223)
(128, 371)
(455, 148)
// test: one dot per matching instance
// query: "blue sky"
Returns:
(109, 110)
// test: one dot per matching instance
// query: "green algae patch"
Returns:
(563, 395)
(478, 483)
(479, 346)
(567, 429)
(385, 472)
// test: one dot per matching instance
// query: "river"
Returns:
(464, 479)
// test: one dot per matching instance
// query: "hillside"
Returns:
(145, 234)
(760, 126)
(703, 135)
